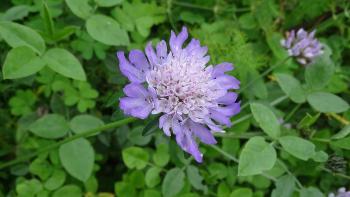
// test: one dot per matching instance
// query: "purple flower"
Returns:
(302, 45)
(341, 193)
(193, 99)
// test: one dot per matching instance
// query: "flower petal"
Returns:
(128, 70)
(135, 90)
(202, 132)
(220, 69)
(138, 58)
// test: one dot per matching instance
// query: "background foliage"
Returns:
(59, 79)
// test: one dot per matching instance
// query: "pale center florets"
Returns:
(183, 88)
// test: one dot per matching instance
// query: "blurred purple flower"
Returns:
(341, 193)
(194, 99)
(302, 45)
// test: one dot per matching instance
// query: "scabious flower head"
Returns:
(341, 193)
(302, 45)
(193, 99)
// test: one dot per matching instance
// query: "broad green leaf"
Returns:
(152, 193)
(285, 186)
(108, 3)
(257, 156)
(68, 191)
(28, 63)
(298, 147)
(124, 189)
(65, 63)
(152, 177)
(310, 192)
(83, 123)
(50, 126)
(80, 8)
(173, 182)
(29, 187)
(106, 30)
(135, 136)
(19, 35)
(291, 87)
(135, 157)
(320, 156)
(266, 119)
(78, 157)
(326, 102)
(56, 180)
(242, 192)
(319, 73)
(342, 133)
(343, 143)
(195, 177)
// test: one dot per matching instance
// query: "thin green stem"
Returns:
(264, 74)
(190, 5)
(291, 113)
(247, 135)
(69, 139)
(336, 174)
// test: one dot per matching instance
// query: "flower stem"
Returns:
(264, 74)
(88, 133)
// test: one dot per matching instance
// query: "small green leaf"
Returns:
(56, 180)
(68, 191)
(326, 102)
(310, 192)
(16, 13)
(257, 156)
(78, 158)
(135, 157)
(195, 177)
(65, 63)
(342, 133)
(19, 35)
(343, 143)
(291, 86)
(83, 123)
(242, 192)
(46, 14)
(320, 156)
(161, 156)
(298, 147)
(319, 73)
(266, 119)
(173, 182)
(41, 168)
(28, 64)
(152, 177)
(106, 30)
(285, 186)
(80, 8)
(50, 126)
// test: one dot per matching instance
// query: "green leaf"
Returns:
(80, 8)
(68, 191)
(343, 143)
(291, 87)
(22, 103)
(29, 187)
(298, 147)
(257, 156)
(108, 3)
(266, 119)
(320, 156)
(326, 102)
(50, 126)
(41, 168)
(46, 14)
(106, 30)
(151, 126)
(19, 35)
(195, 178)
(310, 192)
(152, 193)
(135, 136)
(285, 186)
(28, 64)
(56, 180)
(83, 123)
(78, 158)
(161, 156)
(135, 157)
(319, 73)
(16, 13)
(65, 63)
(242, 192)
(308, 120)
(152, 177)
(173, 182)
(342, 133)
